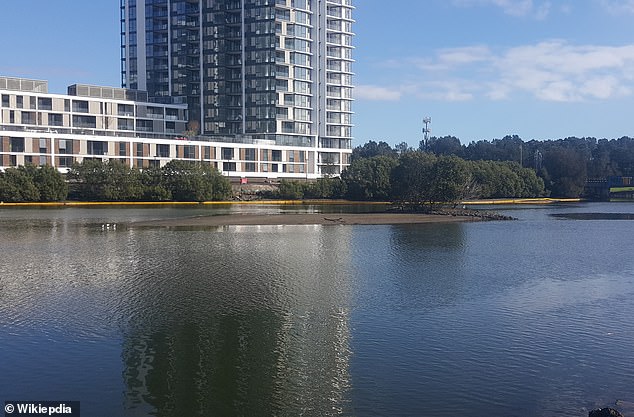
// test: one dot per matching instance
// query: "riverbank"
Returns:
(536, 201)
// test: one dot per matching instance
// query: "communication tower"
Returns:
(426, 130)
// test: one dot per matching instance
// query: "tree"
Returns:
(446, 145)
(195, 181)
(402, 148)
(567, 172)
(373, 148)
(450, 180)
(105, 181)
(49, 182)
(412, 179)
(16, 185)
(369, 178)
(154, 188)
(291, 190)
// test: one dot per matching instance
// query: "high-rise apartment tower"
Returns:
(278, 70)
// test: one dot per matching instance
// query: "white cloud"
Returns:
(519, 8)
(550, 71)
(377, 93)
(618, 6)
(558, 71)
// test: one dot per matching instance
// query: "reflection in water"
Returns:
(499, 318)
(239, 322)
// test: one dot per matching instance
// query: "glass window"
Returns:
(227, 153)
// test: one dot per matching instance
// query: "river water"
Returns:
(533, 317)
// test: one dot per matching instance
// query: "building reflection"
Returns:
(242, 321)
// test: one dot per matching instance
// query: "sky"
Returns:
(481, 69)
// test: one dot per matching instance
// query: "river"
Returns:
(506, 318)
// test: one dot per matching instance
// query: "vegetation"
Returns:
(441, 170)
(323, 188)
(177, 180)
(563, 165)
(31, 183)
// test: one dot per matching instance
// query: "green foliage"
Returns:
(423, 180)
(194, 181)
(32, 183)
(567, 172)
(177, 180)
(493, 179)
(50, 183)
(110, 181)
(323, 188)
(373, 148)
(446, 145)
(291, 190)
(369, 178)
(154, 188)
(412, 177)
(326, 188)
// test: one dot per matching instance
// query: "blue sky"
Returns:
(481, 69)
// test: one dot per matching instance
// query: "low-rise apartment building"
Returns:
(92, 122)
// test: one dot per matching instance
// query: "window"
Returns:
(276, 155)
(65, 161)
(45, 103)
(55, 119)
(163, 151)
(28, 118)
(227, 153)
(189, 152)
(65, 146)
(19, 102)
(80, 106)
(95, 147)
(16, 145)
(89, 122)
(5, 100)
(139, 149)
(123, 149)
(249, 166)
(249, 154)
(228, 166)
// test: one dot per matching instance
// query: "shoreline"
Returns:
(536, 201)
(306, 219)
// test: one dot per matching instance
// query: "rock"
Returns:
(605, 412)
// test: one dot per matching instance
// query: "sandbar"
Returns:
(291, 219)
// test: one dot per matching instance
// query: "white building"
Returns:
(105, 123)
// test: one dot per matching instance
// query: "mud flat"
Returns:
(308, 219)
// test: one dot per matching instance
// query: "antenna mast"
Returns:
(426, 131)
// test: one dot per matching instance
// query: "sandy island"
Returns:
(306, 219)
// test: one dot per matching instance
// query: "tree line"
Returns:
(440, 169)
(94, 180)
(421, 179)
(563, 164)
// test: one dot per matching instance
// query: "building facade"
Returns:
(91, 122)
(272, 70)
